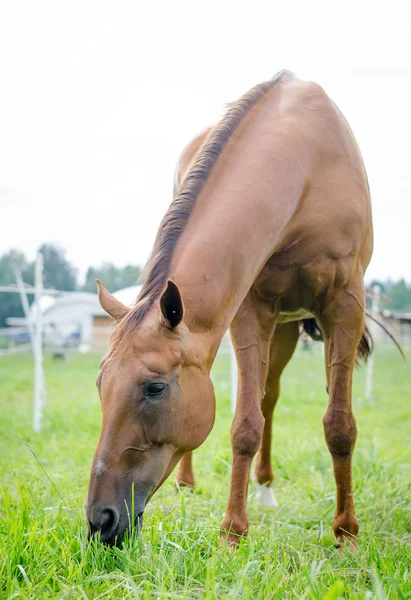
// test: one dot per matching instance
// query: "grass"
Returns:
(289, 553)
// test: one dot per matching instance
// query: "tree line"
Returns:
(59, 274)
(396, 295)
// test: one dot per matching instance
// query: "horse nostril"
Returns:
(105, 520)
(109, 521)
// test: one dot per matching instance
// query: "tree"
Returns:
(400, 296)
(58, 273)
(114, 278)
(396, 295)
(10, 304)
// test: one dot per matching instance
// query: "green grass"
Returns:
(289, 553)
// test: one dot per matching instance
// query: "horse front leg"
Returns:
(251, 332)
(342, 322)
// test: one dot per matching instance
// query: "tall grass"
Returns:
(44, 552)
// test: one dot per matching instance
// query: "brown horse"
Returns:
(271, 224)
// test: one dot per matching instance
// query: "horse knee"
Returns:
(246, 434)
(340, 432)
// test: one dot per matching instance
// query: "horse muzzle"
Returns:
(110, 525)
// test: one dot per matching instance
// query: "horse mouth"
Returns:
(117, 537)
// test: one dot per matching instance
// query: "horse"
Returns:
(270, 226)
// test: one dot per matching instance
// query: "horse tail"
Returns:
(390, 335)
(310, 326)
(365, 347)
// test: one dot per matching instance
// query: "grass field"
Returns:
(289, 553)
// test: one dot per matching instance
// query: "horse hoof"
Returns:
(347, 542)
(180, 483)
(265, 496)
(232, 531)
(230, 540)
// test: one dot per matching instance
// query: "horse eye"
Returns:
(156, 389)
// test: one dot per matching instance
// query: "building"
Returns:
(103, 324)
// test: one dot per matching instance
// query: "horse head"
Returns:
(157, 403)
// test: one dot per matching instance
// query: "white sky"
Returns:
(97, 99)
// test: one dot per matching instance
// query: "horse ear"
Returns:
(111, 305)
(171, 306)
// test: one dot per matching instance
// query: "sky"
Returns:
(98, 99)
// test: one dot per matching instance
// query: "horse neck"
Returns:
(238, 221)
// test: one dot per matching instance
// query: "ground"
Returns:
(289, 553)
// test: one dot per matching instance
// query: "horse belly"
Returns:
(296, 315)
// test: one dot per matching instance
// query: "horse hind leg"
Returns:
(185, 473)
(282, 348)
(342, 322)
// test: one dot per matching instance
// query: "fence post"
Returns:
(24, 303)
(375, 309)
(39, 388)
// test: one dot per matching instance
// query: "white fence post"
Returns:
(25, 303)
(39, 388)
(375, 306)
